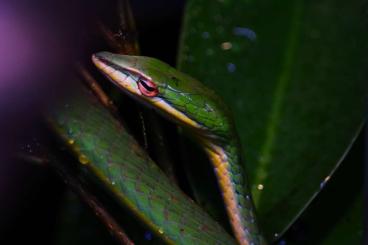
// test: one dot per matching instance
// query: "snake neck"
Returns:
(226, 160)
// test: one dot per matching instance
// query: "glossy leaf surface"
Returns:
(294, 75)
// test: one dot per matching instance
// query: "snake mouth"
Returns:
(105, 62)
(116, 62)
(121, 76)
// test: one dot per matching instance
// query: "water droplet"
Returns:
(83, 159)
(70, 131)
(247, 197)
(226, 45)
(160, 231)
(323, 183)
(71, 141)
(245, 32)
(231, 67)
(113, 183)
(260, 187)
(276, 235)
(282, 242)
(148, 235)
(205, 35)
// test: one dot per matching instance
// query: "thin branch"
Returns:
(96, 88)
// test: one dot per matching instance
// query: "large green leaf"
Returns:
(294, 74)
(336, 215)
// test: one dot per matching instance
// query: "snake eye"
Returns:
(147, 87)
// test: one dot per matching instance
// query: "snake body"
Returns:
(190, 104)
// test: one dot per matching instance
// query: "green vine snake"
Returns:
(190, 104)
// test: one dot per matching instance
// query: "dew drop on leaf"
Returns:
(70, 131)
(226, 45)
(83, 159)
(245, 32)
(231, 67)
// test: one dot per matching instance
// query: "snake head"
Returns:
(174, 94)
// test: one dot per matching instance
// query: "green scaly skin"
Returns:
(106, 151)
(192, 105)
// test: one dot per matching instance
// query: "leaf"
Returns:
(335, 216)
(294, 75)
(106, 151)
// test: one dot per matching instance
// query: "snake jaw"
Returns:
(118, 77)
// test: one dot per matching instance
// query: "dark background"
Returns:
(49, 35)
